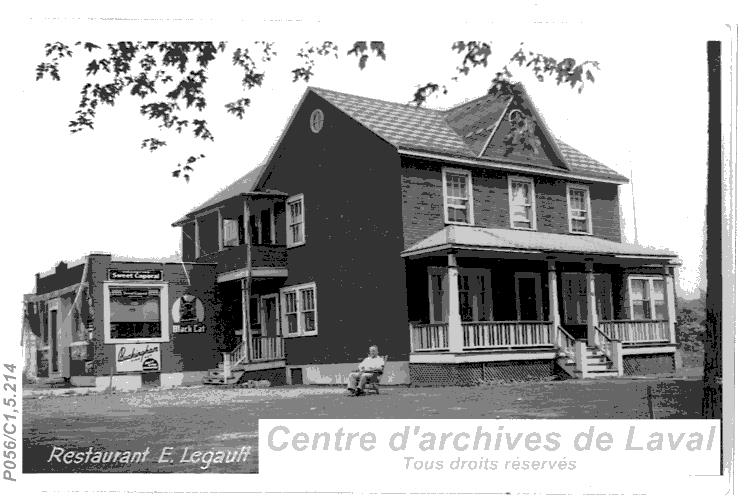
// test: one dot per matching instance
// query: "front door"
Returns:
(269, 316)
(574, 293)
(528, 297)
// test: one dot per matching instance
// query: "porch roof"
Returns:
(515, 240)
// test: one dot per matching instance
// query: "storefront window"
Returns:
(135, 313)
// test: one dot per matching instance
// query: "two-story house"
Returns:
(420, 231)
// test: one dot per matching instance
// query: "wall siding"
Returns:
(350, 180)
(423, 211)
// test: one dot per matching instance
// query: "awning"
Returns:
(515, 240)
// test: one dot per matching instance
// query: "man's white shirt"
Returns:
(370, 364)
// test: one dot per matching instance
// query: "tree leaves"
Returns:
(152, 144)
(361, 48)
(170, 78)
(423, 92)
(186, 167)
(307, 54)
(238, 108)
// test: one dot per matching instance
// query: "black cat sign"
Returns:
(188, 315)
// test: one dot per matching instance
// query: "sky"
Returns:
(67, 195)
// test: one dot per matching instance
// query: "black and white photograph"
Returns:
(486, 253)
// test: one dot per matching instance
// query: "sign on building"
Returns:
(138, 358)
(146, 275)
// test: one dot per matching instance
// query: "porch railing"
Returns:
(267, 348)
(604, 342)
(428, 337)
(637, 331)
(566, 343)
(506, 334)
(232, 359)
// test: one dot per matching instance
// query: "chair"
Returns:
(374, 380)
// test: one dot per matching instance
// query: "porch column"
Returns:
(553, 299)
(245, 297)
(246, 283)
(592, 317)
(670, 296)
(455, 327)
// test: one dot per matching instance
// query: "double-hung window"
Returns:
(578, 204)
(648, 298)
(458, 196)
(299, 310)
(522, 203)
(295, 210)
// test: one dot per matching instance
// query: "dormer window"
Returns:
(522, 203)
(578, 204)
(458, 196)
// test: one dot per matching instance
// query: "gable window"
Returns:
(648, 298)
(299, 311)
(578, 204)
(295, 221)
(522, 203)
(458, 193)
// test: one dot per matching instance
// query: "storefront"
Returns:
(110, 323)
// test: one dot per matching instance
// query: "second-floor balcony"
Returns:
(236, 257)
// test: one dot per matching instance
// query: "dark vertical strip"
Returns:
(712, 403)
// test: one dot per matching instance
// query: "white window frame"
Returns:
(588, 203)
(527, 180)
(297, 290)
(197, 246)
(469, 188)
(650, 279)
(165, 312)
(291, 200)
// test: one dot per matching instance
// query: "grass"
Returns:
(206, 418)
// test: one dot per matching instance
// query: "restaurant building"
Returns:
(421, 231)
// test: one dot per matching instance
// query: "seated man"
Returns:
(370, 367)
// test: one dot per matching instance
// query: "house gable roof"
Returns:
(461, 132)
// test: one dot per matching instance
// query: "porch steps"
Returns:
(597, 364)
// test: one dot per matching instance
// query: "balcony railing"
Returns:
(233, 258)
(506, 334)
(429, 337)
(637, 331)
(267, 348)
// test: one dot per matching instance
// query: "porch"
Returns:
(249, 317)
(515, 303)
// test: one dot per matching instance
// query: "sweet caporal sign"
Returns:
(138, 358)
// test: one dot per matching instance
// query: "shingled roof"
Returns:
(245, 185)
(461, 132)
(458, 132)
(494, 239)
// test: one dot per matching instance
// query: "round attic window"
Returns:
(316, 121)
(516, 115)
